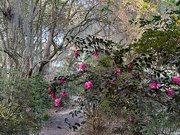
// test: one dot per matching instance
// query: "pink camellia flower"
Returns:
(64, 94)
(129, 66)
(28, 109)
(130, 119)
(57, 102)
(114, 81)
(52, 95)
(126, 132)
(52, 79)
(119, 71)
(88, 85)
(82, 66)
(169, 92)
(76, 54)
(96, 54)
(132, 73)
(154, 85)
(176, 79)
(50, 88)
(61, 80)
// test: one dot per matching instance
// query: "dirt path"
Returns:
(56, 124)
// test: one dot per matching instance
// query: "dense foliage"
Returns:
(23, 102)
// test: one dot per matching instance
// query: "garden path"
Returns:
(56, 124)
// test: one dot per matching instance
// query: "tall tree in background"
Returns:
(33, 32)
(121, 12)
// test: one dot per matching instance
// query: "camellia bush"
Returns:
(138, 84)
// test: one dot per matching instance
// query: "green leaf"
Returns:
(178, 3)
(46, 117)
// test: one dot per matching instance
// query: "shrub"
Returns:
(22, 104)
(140, 82)
(141, 89)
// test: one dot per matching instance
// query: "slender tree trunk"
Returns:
(44, 67)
